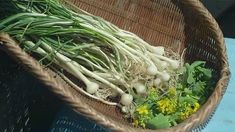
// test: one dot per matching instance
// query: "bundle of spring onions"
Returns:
(110, 62)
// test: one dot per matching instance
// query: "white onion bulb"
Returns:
(124, 109)
(164, 65)
(165, 76)
(152, 70)
(92, 87)
(159, 50)
(126, 99)
(140, 88)
(157, 82)
(175, 64)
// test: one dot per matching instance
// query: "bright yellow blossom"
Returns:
(142, 124)
(143, 110)
(135, 123)
(138, 122)
(189, 110)
(166, 106)
(172, 91)
(196, 107)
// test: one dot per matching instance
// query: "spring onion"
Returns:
(109, 61)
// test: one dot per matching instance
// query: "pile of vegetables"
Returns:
(167, 106)
(152, 85)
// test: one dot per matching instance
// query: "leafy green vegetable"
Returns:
(205, 71)
(198, 77)
(187, 95)
(199, 88)
(187, 99)
(191, 69)
(159, 121)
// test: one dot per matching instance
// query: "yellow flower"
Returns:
(142, 124)
(196, 107)
(143, 110)
(189, 110)
(138, 122)
(184, 115)
(166, 106)
(172, 91)
(135, 123)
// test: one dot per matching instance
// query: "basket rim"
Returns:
(12, 48)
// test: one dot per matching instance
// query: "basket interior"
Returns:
(25, 104)
(163, 22)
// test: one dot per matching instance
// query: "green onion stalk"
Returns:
(108, 60)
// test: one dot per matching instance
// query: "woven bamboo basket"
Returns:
(175, 24)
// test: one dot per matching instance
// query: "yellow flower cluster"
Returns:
(142, 110)
(189, 110)
(166, 106)
(137, 122)
(172, 91)
(143, 115)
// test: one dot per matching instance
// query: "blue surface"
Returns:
(224, 118)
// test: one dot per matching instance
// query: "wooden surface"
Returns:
(224, 118)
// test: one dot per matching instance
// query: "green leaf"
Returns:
(172, 119)
(197, 63)
(152, 96)
(159, 121)
(190, 78)
(187, 91)
(199, 88)
(140, 100)
(191, 69)
(206, 72)
(187, 99)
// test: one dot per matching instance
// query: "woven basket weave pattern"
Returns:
(175, 24)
